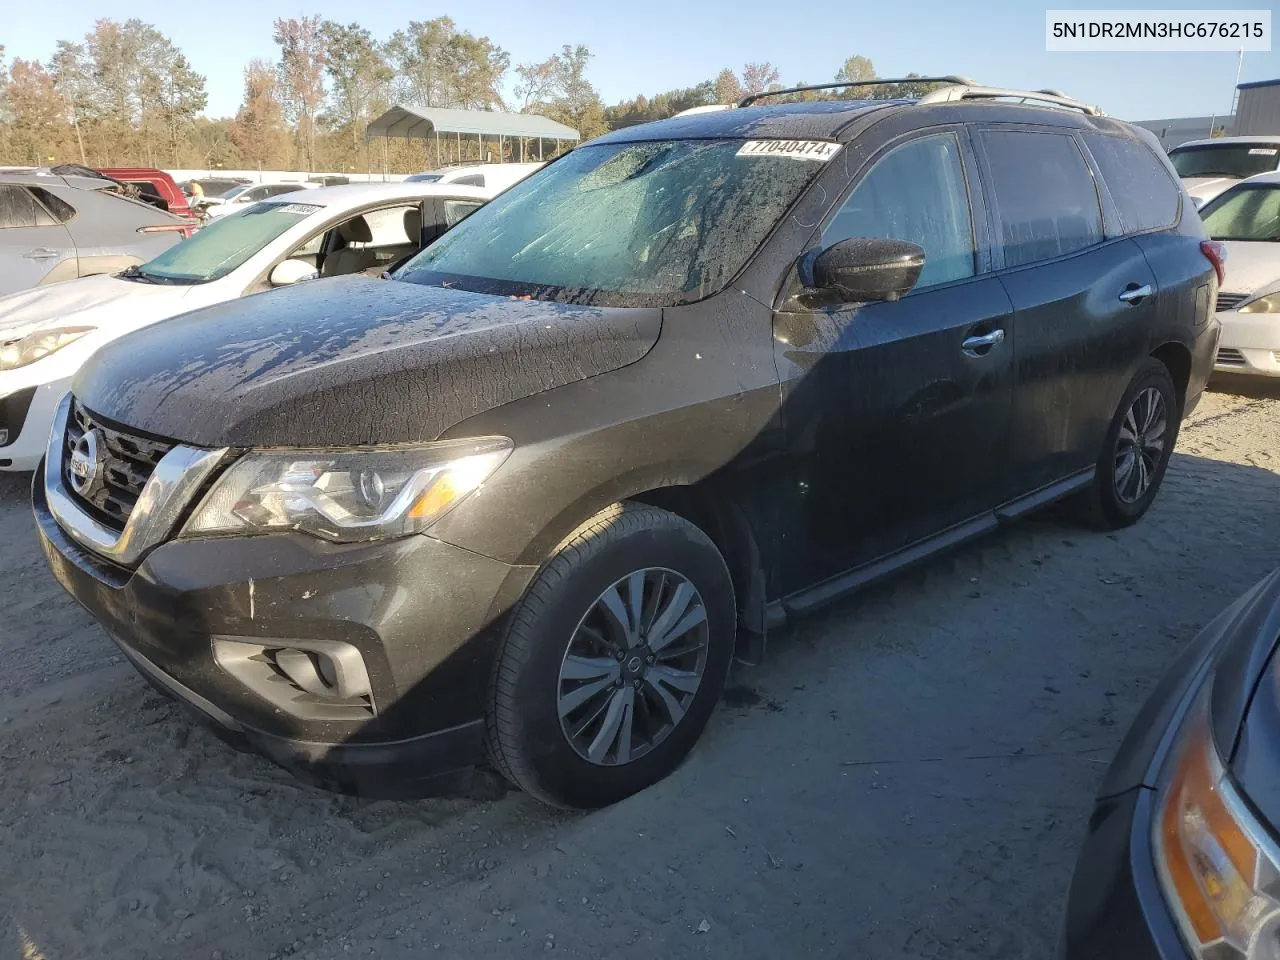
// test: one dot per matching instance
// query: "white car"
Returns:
(47, 333)
(491, 176)
(1208, 167)
(241, 198)
(1247, 219)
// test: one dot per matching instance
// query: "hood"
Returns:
(89, 301)
(1251, 265)
(1204, 189)
(351, 360)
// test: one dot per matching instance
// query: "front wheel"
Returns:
(614, 660)
(1137, 449)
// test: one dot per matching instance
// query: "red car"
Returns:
(157, 187)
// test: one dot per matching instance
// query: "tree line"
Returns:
(126, 94)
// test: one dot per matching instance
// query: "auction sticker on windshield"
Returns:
(819, 150)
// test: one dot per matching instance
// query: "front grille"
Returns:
(1230, 357)
(127, 463)
(1229, 301)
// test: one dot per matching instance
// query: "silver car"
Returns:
(61, 227)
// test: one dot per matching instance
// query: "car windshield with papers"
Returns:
(1225, 161)
(1245, 213)
(225, 244)
(629, 224)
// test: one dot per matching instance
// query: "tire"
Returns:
(1114, 500)
(560, 654)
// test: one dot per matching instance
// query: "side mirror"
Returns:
(291, 271)
(863, 269)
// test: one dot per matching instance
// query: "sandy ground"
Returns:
(908, 777)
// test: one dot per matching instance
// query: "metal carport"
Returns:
(427, 123)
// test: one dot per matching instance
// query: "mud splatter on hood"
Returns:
(351, 360)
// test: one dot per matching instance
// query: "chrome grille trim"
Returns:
(130, 462)
(178, 476)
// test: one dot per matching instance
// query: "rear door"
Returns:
(32, 241)
(1083, 300)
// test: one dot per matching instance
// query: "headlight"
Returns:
(38, 345)
(1268, 304)
(1216, 863)
(347, 495)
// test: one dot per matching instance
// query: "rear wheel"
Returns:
(1137, 449)
(614, 660)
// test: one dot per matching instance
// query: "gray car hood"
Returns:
(351, 360)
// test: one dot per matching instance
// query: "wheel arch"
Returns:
(1176, 358)
(715, 513)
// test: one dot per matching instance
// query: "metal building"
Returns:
(1258, 109)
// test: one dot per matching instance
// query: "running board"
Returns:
(808, 600)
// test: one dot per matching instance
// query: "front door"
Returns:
(897, 412)
(32, 242)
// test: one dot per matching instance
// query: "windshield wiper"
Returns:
(135, 272)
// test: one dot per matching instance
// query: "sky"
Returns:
(663, 44)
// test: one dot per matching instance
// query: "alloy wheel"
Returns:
(633, 666)
(1140, 445)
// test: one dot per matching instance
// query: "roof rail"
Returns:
(969, 91)
(961, 81)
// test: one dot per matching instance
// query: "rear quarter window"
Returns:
(1044, 194)
(57, 207)
(1145, 195)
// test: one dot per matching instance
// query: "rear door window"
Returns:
(915, 192)
(1144, 193)
(57, 207)
(18, 208)
(1045, 197)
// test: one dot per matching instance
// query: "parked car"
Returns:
(242, 197)
(156, 187)
(1246, 218)
(46, 334)
(1181, 858)
(530, 495)
(213, 187)
(498, 176)
(1207, 167)
(56, 228)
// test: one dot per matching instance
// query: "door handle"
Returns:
(1135, 294)
(980, 346)
(40, 253)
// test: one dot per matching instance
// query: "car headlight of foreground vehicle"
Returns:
(38, 345)
(347, 495)
(1219, 869)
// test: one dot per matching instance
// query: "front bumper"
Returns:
(1250, 344)
(423, 614)
(27, 420)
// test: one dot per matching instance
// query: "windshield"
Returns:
(219, 248)
(630, 224)
(234, 192)
(1237, 160)
(1245, 213)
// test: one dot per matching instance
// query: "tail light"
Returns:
(186, 228)
(1215, 251)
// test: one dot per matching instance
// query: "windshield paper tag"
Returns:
(303, 208)
(1262, 151)
(819, 150)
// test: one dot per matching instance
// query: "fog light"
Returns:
(4, 438)
(312, 679)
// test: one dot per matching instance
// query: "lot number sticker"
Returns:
(1262, 151)
(819, 150)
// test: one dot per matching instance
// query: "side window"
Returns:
(19, 209)
(1145, 194)
(455, 211)
(59, 208)
(470, 180)
(1044, 195)
(915, 192)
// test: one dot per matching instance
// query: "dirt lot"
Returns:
(908, 777)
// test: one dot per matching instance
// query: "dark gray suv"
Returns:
(528, 496)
